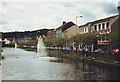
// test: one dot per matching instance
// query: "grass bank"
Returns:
(83, 57)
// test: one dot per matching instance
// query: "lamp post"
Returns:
(119, 29)
(119, 25)
(119, 7)
(78, 17)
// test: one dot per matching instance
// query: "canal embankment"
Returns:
(99, 58)
(93, 57)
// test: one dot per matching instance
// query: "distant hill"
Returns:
(26, 34)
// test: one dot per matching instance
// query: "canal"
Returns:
(25, 65)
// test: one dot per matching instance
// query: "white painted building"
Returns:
(99, 27)
(103, 26)
(6, 41)
(84, 28)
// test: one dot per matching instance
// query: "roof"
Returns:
(104, 19)
(66, 25)
(100, 20)
(84, 24)
(51, 29)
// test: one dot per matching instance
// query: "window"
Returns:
(99, 26)
(82, 29)
(103, 26)
(95, 27)
(107, 25)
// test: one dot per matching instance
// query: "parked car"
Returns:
(99, 51)
(115, 51)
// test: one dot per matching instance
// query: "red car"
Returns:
(115, 51)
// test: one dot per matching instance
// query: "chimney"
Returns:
(64, 22)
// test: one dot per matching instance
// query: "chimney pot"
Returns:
(64, 22)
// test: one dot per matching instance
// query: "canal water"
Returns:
(25, 65)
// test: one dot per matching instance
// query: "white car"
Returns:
(99, 51)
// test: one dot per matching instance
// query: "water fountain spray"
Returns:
(41, 48)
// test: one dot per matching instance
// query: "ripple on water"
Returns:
(25, 65)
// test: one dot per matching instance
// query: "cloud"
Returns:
(88, 15)
(110, 8)
(59, 0)
(25, 16)
(2, 22)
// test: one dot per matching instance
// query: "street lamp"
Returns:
(118, 24)
(119, 29)
(118, 4)
(78, 17)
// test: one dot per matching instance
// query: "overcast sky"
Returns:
(21, 15)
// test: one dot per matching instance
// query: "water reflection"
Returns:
(94, 71)
(25, 65)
